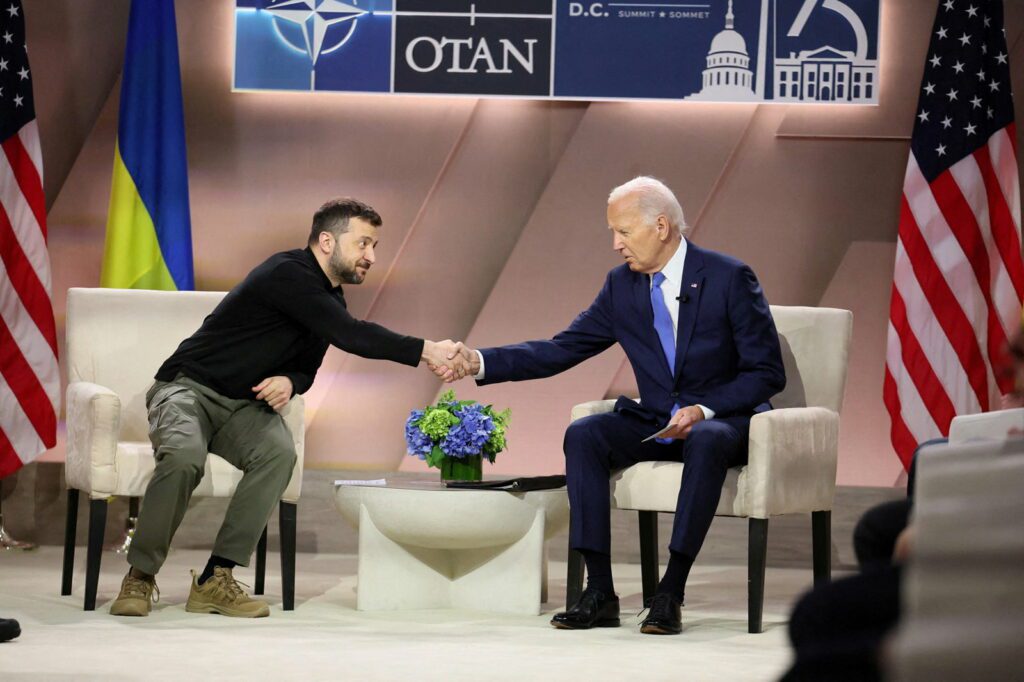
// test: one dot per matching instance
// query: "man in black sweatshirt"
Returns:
(222, 389)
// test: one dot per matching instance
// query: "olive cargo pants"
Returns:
(186, 421)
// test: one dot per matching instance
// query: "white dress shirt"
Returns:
(673, 272)
(670, 289)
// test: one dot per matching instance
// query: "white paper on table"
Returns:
(360, 481)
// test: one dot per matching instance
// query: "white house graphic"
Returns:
(825, 75)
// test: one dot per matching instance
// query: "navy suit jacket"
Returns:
(727, 347)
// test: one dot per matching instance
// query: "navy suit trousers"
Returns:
(597, 446)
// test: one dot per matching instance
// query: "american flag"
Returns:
(959, 275)
(29, 378)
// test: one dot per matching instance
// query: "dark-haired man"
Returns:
(223, 387)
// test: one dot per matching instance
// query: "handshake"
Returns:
(450, 360)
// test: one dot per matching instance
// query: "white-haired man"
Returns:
(703, 346)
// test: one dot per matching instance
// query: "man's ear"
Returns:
(324, 241)
(664, 228)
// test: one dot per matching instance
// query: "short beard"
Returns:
(348, 275)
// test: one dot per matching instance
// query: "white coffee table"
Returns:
(424, 546)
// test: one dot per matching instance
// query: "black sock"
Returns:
(141, 575)
(674, 581)
(599, 571)
(213, 563)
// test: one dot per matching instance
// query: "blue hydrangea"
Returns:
(471, 433)
(419, 443)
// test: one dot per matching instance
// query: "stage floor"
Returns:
(325, 638)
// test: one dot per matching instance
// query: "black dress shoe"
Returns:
(9, 629)
(664, 617)
(595, 609)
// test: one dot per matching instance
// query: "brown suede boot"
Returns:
(224, 595)
(136, 597)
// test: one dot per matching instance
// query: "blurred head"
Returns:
(647, 223)
(1013, 369)
(343, 238)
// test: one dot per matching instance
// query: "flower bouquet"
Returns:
(456, 435)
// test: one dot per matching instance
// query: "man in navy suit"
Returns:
(703, 346)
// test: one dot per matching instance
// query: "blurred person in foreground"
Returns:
(838, 630)
(9, 629)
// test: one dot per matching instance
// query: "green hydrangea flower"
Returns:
(496, 443)
(436, 422)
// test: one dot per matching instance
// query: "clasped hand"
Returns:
(450, 360)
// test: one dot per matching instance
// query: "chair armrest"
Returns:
(988, 425)
(294, 415)
(93, 426)
(792, 462)
(593, 407)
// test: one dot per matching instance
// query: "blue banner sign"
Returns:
(704, 50)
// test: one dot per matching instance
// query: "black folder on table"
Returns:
(514, 485)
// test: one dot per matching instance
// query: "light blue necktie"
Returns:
(663, 325)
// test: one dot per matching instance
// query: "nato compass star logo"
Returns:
(326, 25)
(500, 47)
(323, 45)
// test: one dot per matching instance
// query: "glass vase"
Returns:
(465, 469)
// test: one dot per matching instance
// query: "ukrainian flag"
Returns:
(149, 233)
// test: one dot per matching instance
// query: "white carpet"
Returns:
(325, 638)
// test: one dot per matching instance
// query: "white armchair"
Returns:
(791, 467)
(116, 341)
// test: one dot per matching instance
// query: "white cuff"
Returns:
(480, 375)
(708, 412)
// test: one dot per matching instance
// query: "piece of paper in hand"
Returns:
(657, 434)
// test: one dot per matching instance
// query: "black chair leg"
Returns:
(288, 515)
(757, 553)
(94, 552)
(573, 578)
(649, 553)
(821, 539)
(70, 530)
(261, 563)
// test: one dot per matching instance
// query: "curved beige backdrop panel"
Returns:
(494, 212)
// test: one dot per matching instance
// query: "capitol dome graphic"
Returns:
(727, 76)
(728, 41)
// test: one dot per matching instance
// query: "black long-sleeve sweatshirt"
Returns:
(279, 322)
